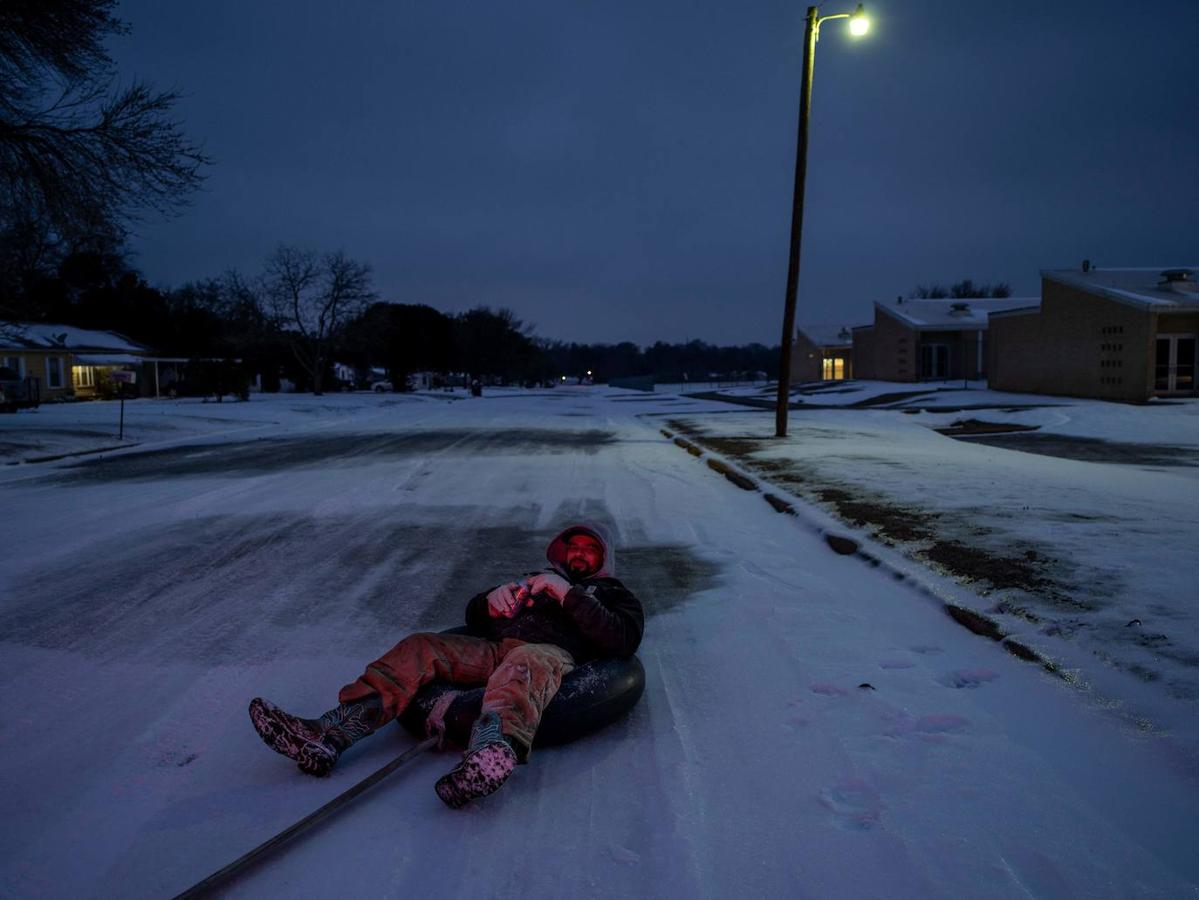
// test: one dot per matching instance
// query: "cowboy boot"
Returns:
(488, 762)
(315, 744)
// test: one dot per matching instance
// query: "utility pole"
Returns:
(797, 202)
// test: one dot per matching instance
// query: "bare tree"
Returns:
(961, 290)
(313, 298)
(28, 248)
(929, 292)
(75, 152)
(232, 298)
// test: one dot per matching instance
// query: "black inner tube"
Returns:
(591, 696)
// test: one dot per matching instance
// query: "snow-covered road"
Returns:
(148, 596)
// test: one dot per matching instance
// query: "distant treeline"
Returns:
(305, 313)
(496, 345)
(965, 289)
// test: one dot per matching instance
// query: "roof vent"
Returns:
(1180, 280)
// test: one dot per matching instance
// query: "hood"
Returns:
(556, 551)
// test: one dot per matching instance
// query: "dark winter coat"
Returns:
(599, 617)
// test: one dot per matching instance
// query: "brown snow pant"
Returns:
(521, 678)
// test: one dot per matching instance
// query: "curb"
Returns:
(743, 482)
(842, 545)
(57, 456)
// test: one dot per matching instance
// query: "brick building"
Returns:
(821, 354)
(1112, 334)
(928, 340)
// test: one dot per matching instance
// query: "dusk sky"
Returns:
(623, 170)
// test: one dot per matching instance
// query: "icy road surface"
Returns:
(147, 596)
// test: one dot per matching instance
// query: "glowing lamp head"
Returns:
(858, 23)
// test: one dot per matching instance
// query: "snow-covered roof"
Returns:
(1146, 288)
(48, 336)
(1019, 311)
(969, 314)
(827, 335)
(107, 359)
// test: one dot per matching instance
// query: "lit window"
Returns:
(83, 376)
(834, 369)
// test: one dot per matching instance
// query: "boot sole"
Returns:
(480, 773)
(313, 758)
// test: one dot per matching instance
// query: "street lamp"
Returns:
(858, 26)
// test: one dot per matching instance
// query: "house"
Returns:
(1111, 334)
(821, 354)
(424, 381)
(928, 340)
(64, 361)
(37, 359)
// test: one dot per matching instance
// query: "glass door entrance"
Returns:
(1174, 365)
(934, 361)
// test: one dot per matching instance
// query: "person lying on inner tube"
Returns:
(532, 632)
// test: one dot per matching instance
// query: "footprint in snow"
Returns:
(932, 728)
(926, 649)
(856, 804)
(941, 724)
(796, 723)
(623, 855)
(828, 690)
(968, 678)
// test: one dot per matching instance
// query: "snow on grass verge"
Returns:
(1089, 564)
(59, 429)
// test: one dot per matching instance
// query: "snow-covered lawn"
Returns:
(55, 429)
(811, 725)
(1091, 563)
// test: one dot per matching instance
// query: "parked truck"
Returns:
(17, 392)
